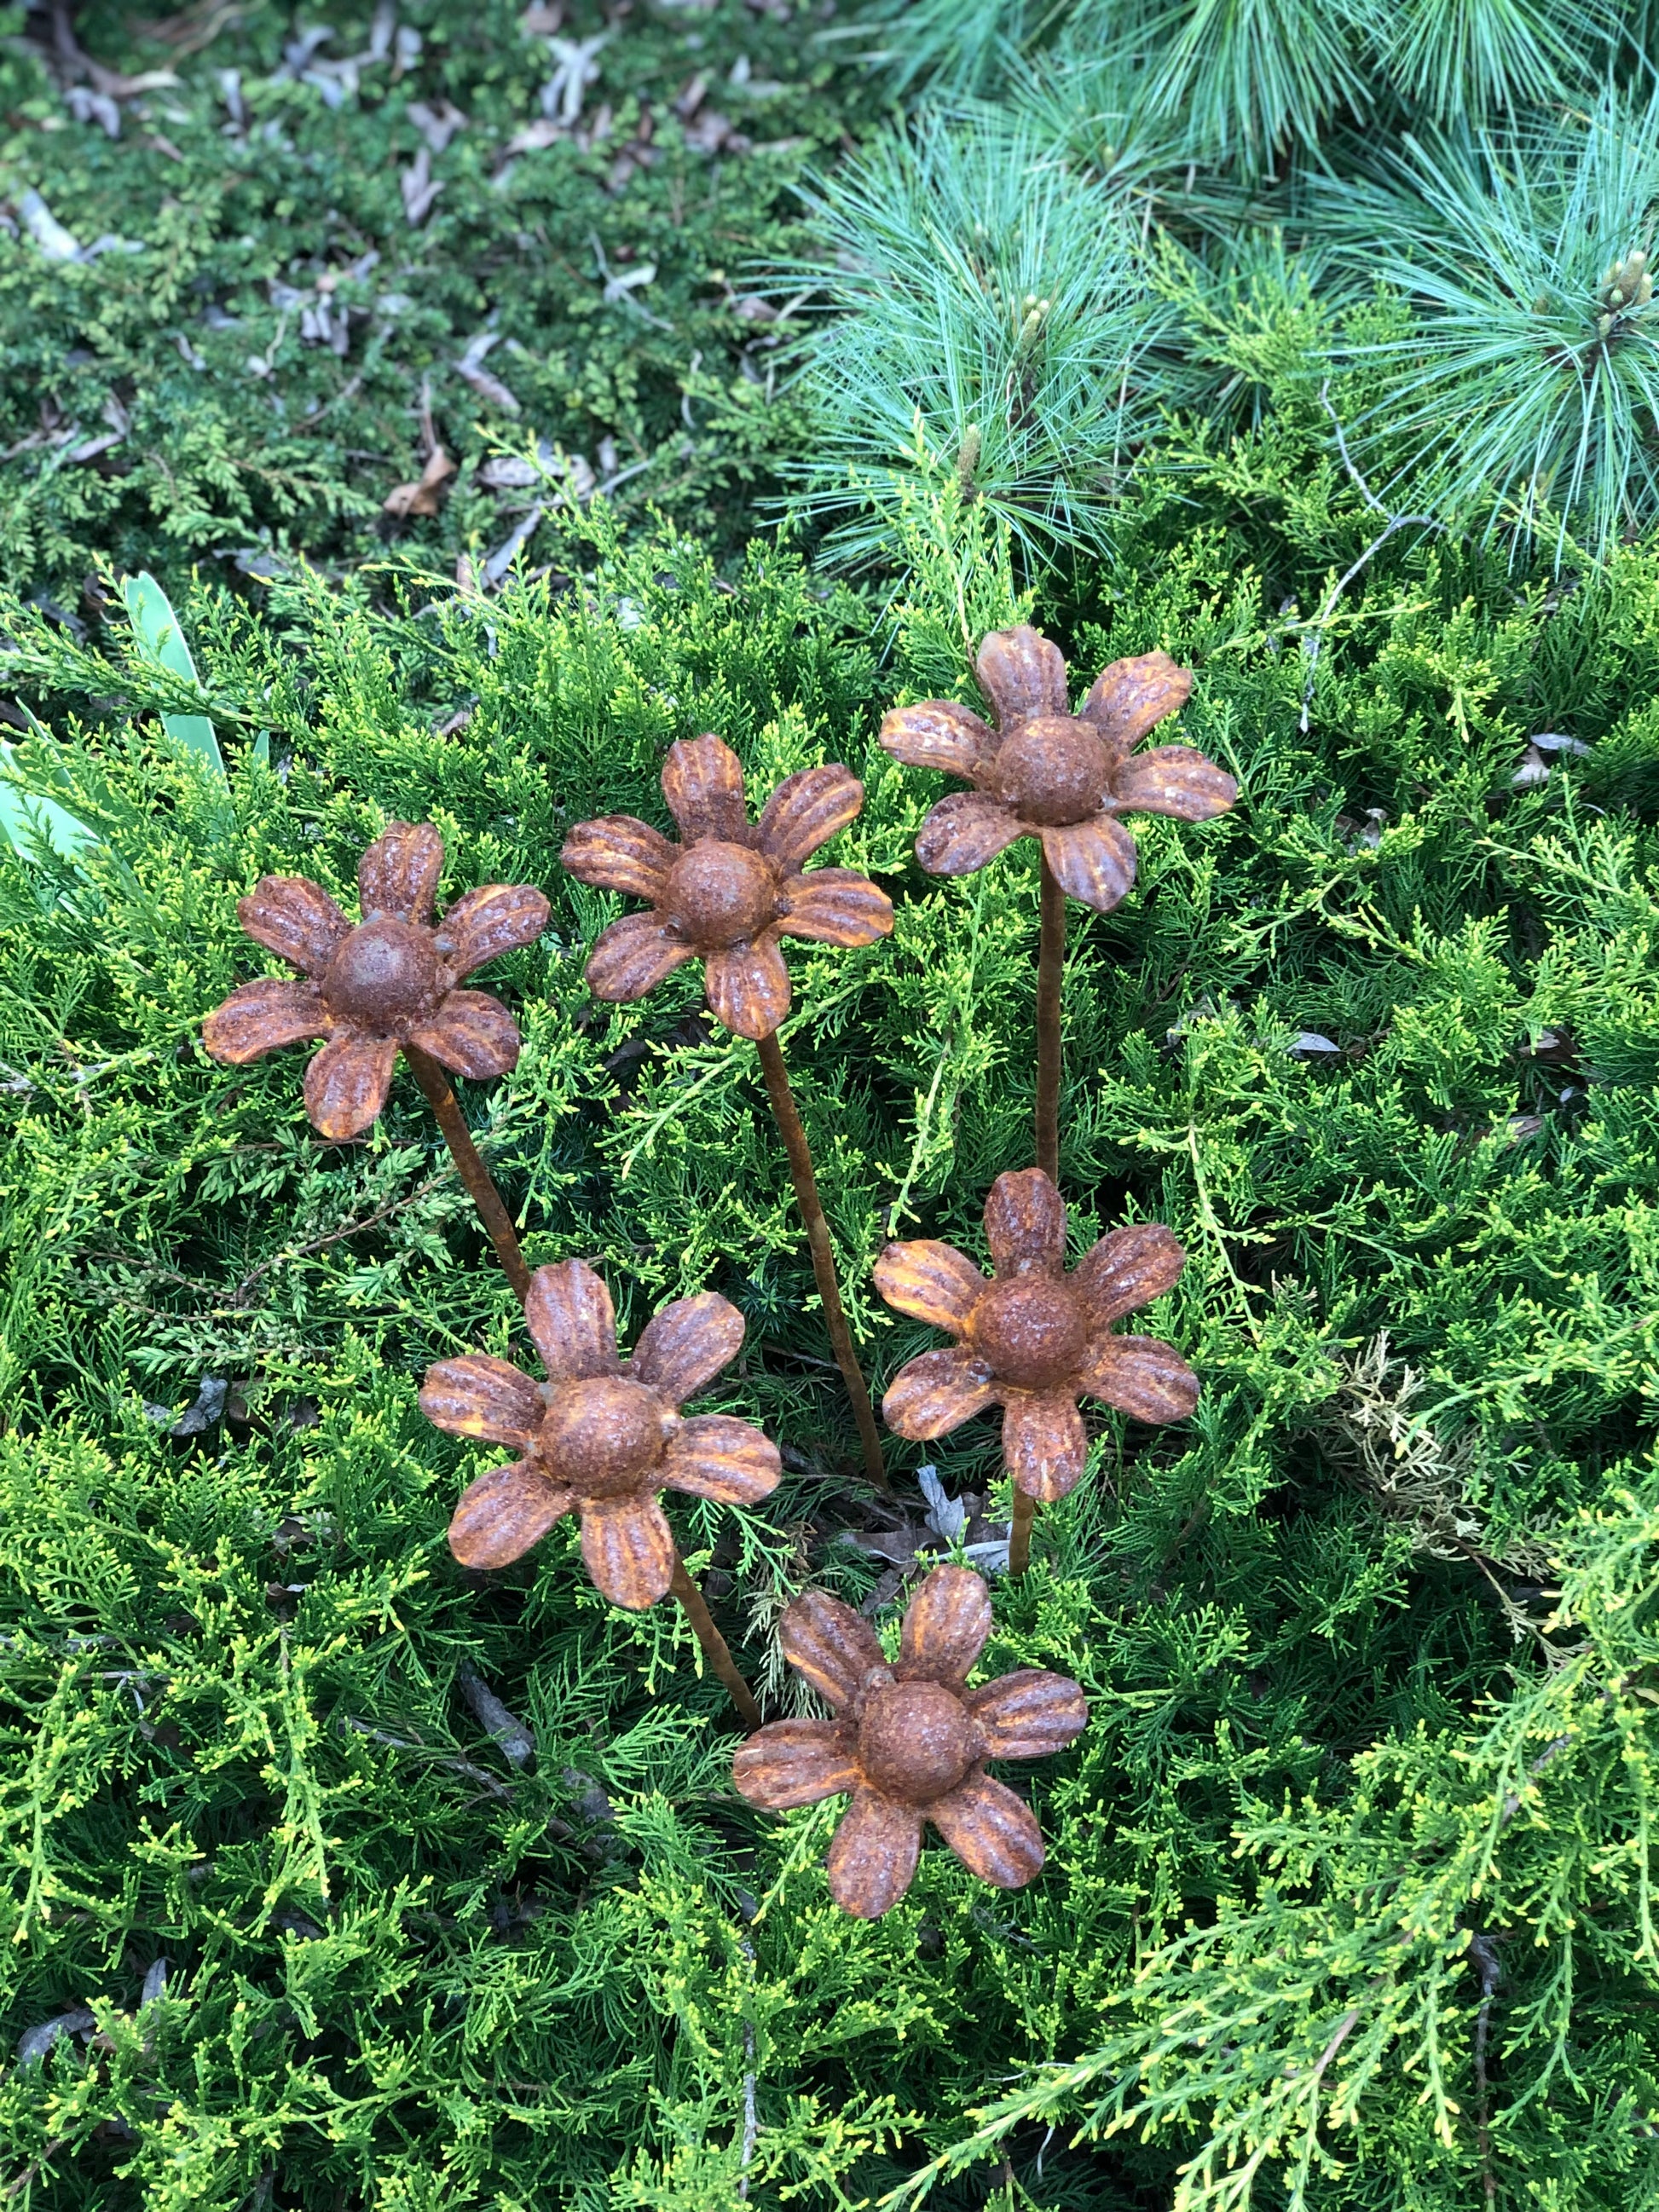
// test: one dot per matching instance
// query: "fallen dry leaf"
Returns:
(419, 188)
(544, 131)
(487, 386)
(424, 497)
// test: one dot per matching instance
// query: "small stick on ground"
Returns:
(824, 1257)
(714, 1645)
(473, 1172)
(1019, 1534)
(1394, 522)
(1051, 962)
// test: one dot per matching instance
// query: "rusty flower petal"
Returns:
(1093, 862)
(716, 1456)
(1142, 1377)
(471, 1033)
(872, 1857)
(831, 1647)
(628, 1549)
(682, 1347)
(930, 1281)
(834, 906)
(481, 1396)
(805, 811)
(1021, 673)
(938, 734)
(399, 874)
(571, 1322)
(495, 919)
(1026, 1224)
(702, 783)
(792, 1763)
(1173, 779)
(747, 987)
(1028, 1713)
(1043, 1444)
(620, 852)
(348, 1082)
(1127, 1268)
(259, 1017)
(936, 1391)
(295, 919)
(945, 1625)
(1132, 696)
(631, 957)
(503, 1513)
(964, 831)
(993, 1833)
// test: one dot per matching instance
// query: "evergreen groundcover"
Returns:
(1349, 1901)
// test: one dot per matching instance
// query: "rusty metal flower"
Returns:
(602, 1436)
(1046, 773)
(1034, 1338)
(731, 889)
(389, 981)
(909, 1741)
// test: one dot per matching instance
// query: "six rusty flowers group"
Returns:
(603, 1436)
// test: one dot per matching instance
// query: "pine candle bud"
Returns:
(968, 460)
(1628, 285)
(1030, 328)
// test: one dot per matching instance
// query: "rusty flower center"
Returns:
(602, 1436)
(916, 1741)
(719, 894)
(384, 976)
(1030, 1331)
(1054, 770)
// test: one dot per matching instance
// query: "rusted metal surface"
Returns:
(603, 1437)
(389, 981)
(1044, 772)
(1034, 1338)
(731, 889)
(909, 1741)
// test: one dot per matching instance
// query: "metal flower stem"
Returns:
(824, 1257)
(473, 1172)
(1020, 1532)
(485, 1196)
(714, 1645)
(1051, 962)
(1051, 968)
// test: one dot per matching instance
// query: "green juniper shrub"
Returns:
(1347, 1900)
(1378, 1047)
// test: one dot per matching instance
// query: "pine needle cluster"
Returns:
(983, 316)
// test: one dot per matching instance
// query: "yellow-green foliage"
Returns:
(1369, 1643)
